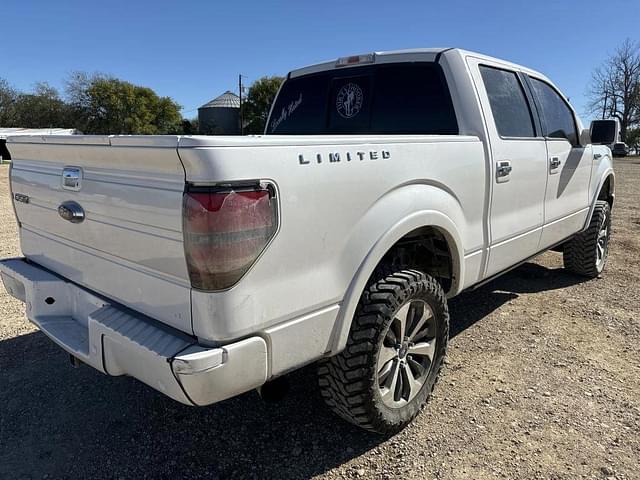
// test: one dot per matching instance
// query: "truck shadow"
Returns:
(473, 305)
(62, 422)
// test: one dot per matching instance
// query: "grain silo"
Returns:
(220, 116)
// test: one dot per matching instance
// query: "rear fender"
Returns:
(404, 200)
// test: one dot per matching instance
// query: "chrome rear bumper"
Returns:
(118, 341)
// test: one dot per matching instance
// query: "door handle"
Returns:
(503, 170)
(554, 163)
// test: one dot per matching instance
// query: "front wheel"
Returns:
(586, 254)
(394, 353)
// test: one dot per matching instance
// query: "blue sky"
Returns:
(194, 50)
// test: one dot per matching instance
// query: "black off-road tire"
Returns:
(349, 381)
(581, 252)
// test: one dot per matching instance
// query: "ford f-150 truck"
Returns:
(384, 184)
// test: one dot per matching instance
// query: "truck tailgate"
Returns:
(129, 247)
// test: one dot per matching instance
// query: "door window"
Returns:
(557, 117)
(509, 105)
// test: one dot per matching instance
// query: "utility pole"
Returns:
(240, 90)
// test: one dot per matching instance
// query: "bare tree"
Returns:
(615, 87)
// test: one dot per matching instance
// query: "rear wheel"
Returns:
(394, 353)
(586, 254)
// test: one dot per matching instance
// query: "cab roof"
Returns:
(410, 55)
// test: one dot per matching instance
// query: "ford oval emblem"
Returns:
(71, 211)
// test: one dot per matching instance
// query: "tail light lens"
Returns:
(225, 231)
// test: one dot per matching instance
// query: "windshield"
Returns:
(395, 98)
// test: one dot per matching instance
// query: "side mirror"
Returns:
(604, 132)
(585, 137)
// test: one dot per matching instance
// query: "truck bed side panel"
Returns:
(332, 213)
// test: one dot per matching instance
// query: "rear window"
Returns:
(398, 98)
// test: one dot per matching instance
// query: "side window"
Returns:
(557, 117)
(509, 105)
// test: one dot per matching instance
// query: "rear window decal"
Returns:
(349, 100)
(286, 112)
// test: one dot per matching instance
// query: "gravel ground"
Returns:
(542, 381)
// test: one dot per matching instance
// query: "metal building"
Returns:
(220, 116)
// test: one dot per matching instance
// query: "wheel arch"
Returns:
(604, 191)
(416, 222)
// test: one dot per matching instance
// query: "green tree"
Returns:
(255, 109)
(189, 127)
(43, 108)
(8, 96)
(105, 105)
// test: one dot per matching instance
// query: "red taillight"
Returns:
(225, 232)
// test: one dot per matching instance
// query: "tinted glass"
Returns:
(557, 117)
(412, 99)
(299, 106)
(350, 104)
(384, 99)
(508, 103)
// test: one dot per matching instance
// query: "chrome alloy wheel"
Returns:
(602, 244)
(406, 354)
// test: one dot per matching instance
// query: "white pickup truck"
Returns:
(384, 184)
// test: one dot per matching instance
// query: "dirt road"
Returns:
(542, 381)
